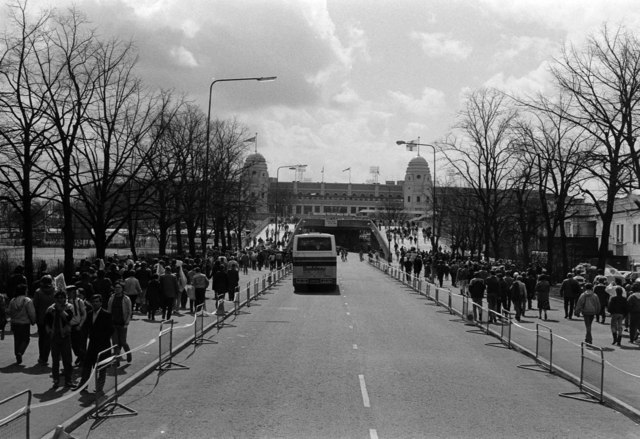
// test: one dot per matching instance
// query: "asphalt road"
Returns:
(369, 361)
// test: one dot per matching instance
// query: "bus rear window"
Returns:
(314, 244)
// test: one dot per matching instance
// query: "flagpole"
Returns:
(255, 143)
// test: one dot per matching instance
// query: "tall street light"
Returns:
(433, 202)
(206, 160)
(292, 167)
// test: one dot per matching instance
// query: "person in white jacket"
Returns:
(121, 310)
(23, 315)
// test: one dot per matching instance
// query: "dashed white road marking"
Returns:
(355, 346)
(363, 390)
(348, 313)
(373, 434)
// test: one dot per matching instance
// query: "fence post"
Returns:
(165, 348)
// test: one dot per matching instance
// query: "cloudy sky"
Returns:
(354, 76)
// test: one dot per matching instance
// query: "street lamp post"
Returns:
(433, 196)
(293, 167)
(206, 160)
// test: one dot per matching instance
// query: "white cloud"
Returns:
(525, 45)
(532, 83)
(431, 102)
(442, 46)
(183, 57)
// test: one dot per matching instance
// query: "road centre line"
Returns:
(373, 434)
(363, 390)
(355, 346)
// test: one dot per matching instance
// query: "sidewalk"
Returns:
(621, 384)
(51, 407)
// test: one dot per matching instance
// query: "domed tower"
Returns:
(256, 176)
(418, 188)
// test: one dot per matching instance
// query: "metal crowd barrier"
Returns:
(107, 407)
(165, 348)
(544, 349)
(199, 327)
(16, 422)
(591, 386)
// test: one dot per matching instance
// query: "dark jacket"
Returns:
(618, 305)
(570, 288)
(476, 288)
(99, 333)
(220, 282)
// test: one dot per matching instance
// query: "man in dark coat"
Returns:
(99, 328)
(570, 290)
(476, 291)
(493, 296)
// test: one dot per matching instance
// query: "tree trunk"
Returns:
(179, 249)
(27, 225)
(132, 225)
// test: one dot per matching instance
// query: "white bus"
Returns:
(314, 260)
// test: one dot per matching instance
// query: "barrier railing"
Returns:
(16, 412)
(108, 406)
(591, 386)
(544, 347)
(199, 327)
(165, 348)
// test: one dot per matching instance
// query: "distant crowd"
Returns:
(80, 319)
(507, 287)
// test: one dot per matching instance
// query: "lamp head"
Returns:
(400, 142)
(267, 78)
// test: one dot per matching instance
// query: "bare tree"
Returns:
(123, 131)
(23, 125)
(554, 149)
(225, 169)
(483, 155)
(67, 72)
(603, 81)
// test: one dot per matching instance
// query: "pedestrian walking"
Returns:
(57, 322)
(153, 297)
(200, 284)
(99, 327)
(542, 289)
(42, 300)
(588, 305)
(23, 315)
(600, 290)
(169, 290)
(493, 294)
(132, 289)
(634, 312)
(233, 279)
(569, 290)
(518, 296)
(78, 339)
(121, 310)
(476, 291)
(618, 308)
(220, 284)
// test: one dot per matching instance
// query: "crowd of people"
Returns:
(78, 320)
(508, 287)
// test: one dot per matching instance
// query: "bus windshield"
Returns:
(315, 243)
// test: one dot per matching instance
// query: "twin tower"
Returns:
(414, 195)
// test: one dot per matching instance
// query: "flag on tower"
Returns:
(345, 170)
(251, 140)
